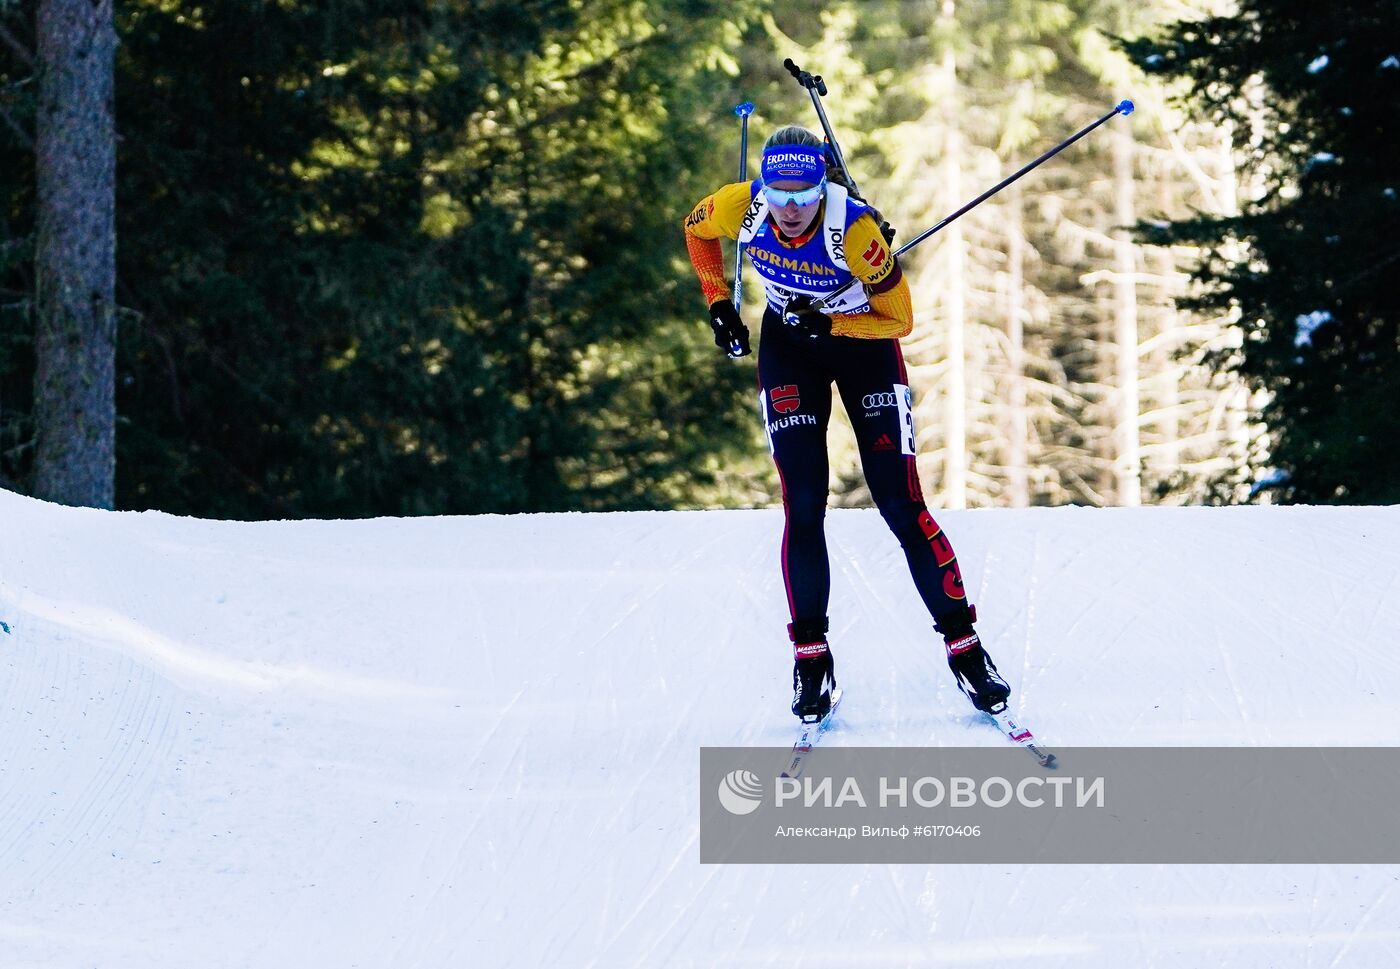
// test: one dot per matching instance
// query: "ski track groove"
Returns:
(898, 658)
(407, 934)
(897, 879)
(662, 583)
(1184, 558)
(24, 704)
(1326, 575)
(1031, 601)
(483, 650)
(491, 733)
(1377, 601)
(701, 891)
(1314, 920)
(1360, 924)
(622, 804)
(660, 756)
(81, 819)
(1243, 722)
(750, 920)
(132, 778)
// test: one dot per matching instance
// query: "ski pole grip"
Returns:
(811, 82)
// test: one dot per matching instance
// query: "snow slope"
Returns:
(474, 741)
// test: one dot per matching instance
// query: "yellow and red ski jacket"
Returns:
(881, 309)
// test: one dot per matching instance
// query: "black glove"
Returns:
(731, 335)
(805, 318)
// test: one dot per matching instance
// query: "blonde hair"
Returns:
(795, 134)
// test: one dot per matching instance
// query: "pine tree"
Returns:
(399, 257)
(1312, 95)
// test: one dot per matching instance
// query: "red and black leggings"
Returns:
(795, 376)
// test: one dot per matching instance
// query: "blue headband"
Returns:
(801, 162)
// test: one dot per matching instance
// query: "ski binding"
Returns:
(807, 739)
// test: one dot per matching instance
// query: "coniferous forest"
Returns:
(398, 257)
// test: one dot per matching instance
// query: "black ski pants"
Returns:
(795, 377)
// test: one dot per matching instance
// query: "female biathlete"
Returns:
(808, 236)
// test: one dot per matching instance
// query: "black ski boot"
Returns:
(813, 670)
(976, 674)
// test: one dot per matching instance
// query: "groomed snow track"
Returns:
(474, 741)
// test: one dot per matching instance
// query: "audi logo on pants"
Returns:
(874, 401)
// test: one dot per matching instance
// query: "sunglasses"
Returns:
(779, 198)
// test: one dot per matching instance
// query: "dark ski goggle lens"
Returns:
(779, 198)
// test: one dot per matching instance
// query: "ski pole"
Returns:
(1124, 107)
(816, 87)
(743, 111)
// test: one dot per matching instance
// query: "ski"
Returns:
(1021, 735)
(808, 737)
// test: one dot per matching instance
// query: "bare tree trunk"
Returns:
(75, 258)
(1127, 460)
(1016, 461)
(1168, 371)
(955, 474)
